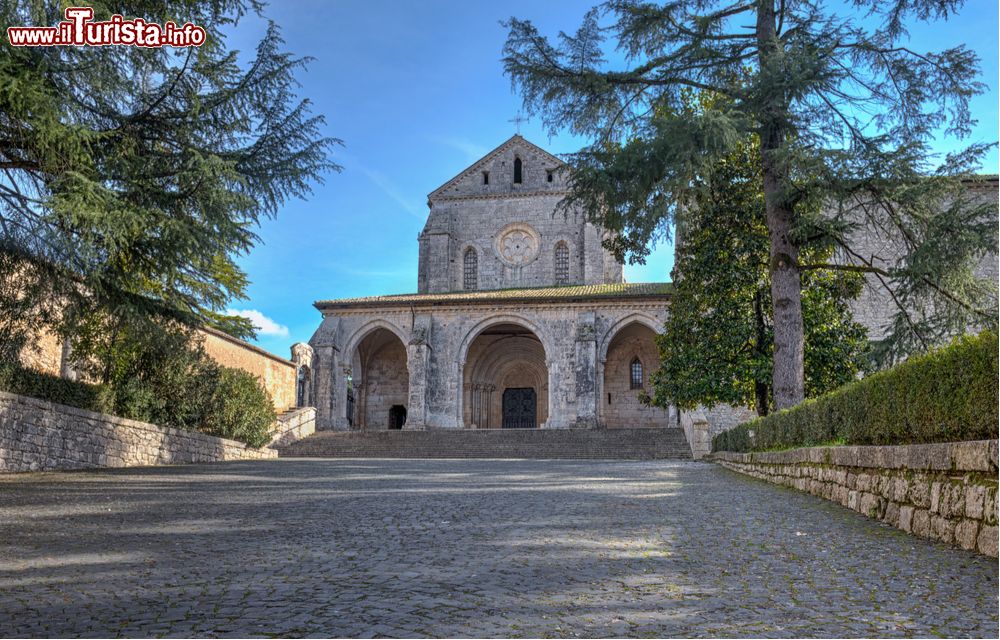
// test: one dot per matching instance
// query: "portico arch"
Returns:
(627, 358)
(504, 375)
(379, 379)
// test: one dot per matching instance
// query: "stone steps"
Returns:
(616, 444)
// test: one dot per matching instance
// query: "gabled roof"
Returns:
(623, 290)
(474, 167)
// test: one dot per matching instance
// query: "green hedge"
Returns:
(27, 382)
(946, 395)
(218, 401)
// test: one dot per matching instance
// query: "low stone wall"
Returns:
(698, 432)
(293, 425)
(37, 435)
(945, 492)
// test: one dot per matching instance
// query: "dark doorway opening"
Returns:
(397, 416)
(519, 407)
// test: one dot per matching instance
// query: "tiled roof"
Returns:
(564, 294)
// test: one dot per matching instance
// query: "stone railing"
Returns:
(37, 435)
(945, 492)
(293, 425)
(698, 432)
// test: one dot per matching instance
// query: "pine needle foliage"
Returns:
(845, 111)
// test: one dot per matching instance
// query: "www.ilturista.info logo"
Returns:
(79, 29)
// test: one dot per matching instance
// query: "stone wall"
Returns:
(48, 355)
(276, 374)
(293, 425)
(945, 492)
(698, 432)
(37, 435)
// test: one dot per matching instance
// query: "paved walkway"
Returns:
(465, 548)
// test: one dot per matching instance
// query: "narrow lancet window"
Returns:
(470, 273)
(562, 263)
(517, 171)
(635, 370)
(486, 177)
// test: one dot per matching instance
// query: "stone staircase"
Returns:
(616, 444)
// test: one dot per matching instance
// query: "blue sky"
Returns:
(417, 93)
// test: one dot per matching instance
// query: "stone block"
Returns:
(930, 457)
(852, 500)
(863, 482)
(990, 506)
(935, 497)
(920, 492)
(868, 457)
(970, 456)
(900, 489)
(921, 524)
(840, 494)
(956, 501)
(891, 515)
(844, 456)
(886, 486)
(871, 505)
(942, 529)
(987, 541)
(906, 518)
(966, 534)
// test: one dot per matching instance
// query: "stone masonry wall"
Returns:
(292, 426)
(276, 374)
(945, 492)
(37, 435)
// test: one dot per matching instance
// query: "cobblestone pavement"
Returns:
(465, 548)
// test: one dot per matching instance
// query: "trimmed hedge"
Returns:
(946, 395)
(27, 382)
(223, 402)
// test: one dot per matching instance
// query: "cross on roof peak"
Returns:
(517, 120)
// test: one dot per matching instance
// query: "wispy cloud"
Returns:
(413, 207)
(387, 187)
(471, 150)
(264, 325)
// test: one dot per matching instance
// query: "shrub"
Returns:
(27, 382)
(946, 395)
(239, 408)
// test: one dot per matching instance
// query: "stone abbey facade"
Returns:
(521, 319)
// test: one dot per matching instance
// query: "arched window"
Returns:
(635, 373)
(470, 271)
(517, 171)
(562, 263)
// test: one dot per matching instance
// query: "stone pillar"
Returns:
(327, 378)
(585, 371)
(302, 356)
(418, 357)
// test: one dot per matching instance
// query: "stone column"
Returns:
(302, 356)
(585, 371)
(418, 363)
(327, 379)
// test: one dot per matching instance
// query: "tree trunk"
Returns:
(761, 390)
(786, 286)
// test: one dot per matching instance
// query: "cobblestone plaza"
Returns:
(540, 548)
